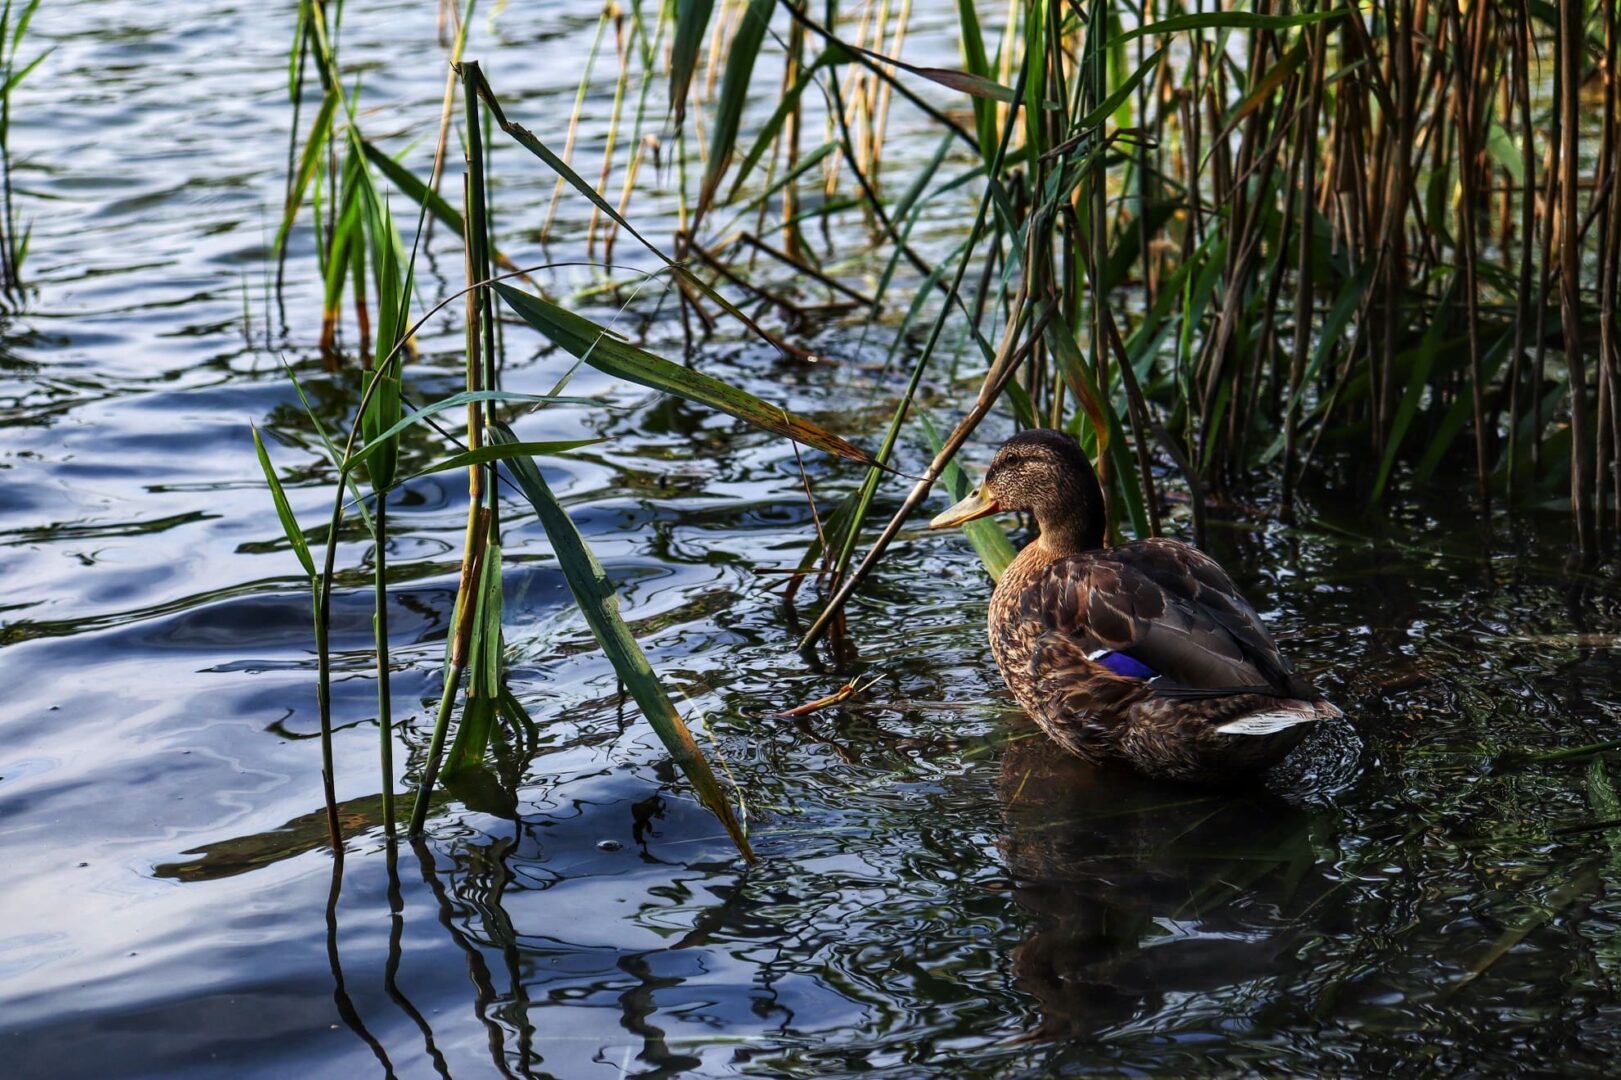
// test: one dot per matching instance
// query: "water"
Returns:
(938, 892)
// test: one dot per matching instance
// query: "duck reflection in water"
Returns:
(1146, 892)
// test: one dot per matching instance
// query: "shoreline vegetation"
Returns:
(1370, 245)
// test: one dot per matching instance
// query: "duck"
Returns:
(1143, 653)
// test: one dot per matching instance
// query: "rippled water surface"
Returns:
(938, 893)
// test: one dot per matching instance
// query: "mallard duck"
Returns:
(1145, 652)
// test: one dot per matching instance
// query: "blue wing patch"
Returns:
(1126, 666)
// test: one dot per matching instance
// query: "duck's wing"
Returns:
(1160, 614)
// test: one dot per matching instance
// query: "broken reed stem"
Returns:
(996, 380)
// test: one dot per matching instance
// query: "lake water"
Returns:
(939, 891)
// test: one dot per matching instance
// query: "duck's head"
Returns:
(1046, 473)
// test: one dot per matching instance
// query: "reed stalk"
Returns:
(1229, 244)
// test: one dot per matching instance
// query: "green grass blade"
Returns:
(592, 343)
(691, 21)
(734, 93)
(314, 151)
(1459, 413)
(284, 510)
(484, 671)
(377, 425)
(501, 452)
(1098, 115)
(360, 456)
(594, 593)
(806, 164)
(1339, 317)
(412, 188)
(333, 453)
(1417, 381)
(19, 76)
(472, 738)
(773, 125)
(975, 60)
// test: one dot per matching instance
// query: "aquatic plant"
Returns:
(474, 647)
(1358, 245)
(1329, 243)
(1323, 242)
(14, 22)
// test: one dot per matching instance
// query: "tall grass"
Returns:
(1372, 246)
(1365, 245)
(474, 649)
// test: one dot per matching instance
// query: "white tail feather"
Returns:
(1267, 723)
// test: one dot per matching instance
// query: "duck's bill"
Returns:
(975, 506)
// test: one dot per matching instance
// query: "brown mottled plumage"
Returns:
(1144, 653)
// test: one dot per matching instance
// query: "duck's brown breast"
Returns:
(1011, 632)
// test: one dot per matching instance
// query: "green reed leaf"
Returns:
(975, 60)
(412, 188)
(484, 672)
(314, 151)
(284, 510)
(1423, 360)
(466, 397)
(734, 95)
(691, 21)
(1105, 110)
(773, 125)
(986, 534)
(598, 603)
(1458, 414)
(381, 418)
(502, 452)
(592, 343)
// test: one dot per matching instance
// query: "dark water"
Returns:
(938, 893)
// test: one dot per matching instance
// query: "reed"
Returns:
(1370, 246)
(14, 20)
(371, 450)
(1305, 243)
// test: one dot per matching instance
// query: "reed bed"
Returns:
(1372, 246)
